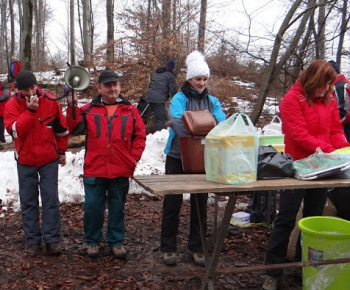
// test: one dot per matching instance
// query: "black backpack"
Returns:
(258, 205)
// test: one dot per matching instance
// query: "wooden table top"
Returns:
(196, 183)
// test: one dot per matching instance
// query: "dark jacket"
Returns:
(113, 146)
(342, 93)
(162, 86)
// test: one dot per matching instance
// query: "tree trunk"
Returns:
(72, 33)
(110, 32)
(26, 34)
(202, 25)
(343, 28)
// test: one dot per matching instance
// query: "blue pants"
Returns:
(171, 212)
(31, 179)
(289, 204)
(98, 190)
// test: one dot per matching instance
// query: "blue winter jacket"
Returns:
(179, 104)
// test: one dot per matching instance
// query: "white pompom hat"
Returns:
(196, 65)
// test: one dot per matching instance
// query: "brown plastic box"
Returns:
(198, 124)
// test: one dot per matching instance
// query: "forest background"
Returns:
(268, 46)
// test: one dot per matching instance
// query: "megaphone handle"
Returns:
(73, 109)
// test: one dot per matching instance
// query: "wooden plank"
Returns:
(196, 183)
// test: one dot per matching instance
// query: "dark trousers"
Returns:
(2, 130)
(29, 185)
(159, 112)
(289, 204)
(98, 190)
(171, 211)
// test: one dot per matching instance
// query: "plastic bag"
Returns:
(275, 126)
(273, 164)
(320, 165)
(231, 151)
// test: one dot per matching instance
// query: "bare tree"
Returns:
(3, 31)
(72, 32)
(26, 33)
(275, 67)
(202, 25)
(343, 29)
(110, 31)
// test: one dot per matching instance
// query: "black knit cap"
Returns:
(25, 79)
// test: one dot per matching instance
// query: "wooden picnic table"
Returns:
(196, 183)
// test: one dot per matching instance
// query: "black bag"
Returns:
(258, 207)
(273, 164)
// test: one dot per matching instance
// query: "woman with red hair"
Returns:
(310, 120)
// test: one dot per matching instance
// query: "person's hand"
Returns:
(69, 99)
(62, 160)
(32, 102)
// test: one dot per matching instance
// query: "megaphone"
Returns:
(77, 78)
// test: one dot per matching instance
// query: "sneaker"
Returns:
(53, 248)
(33, 250)
(119, 251)
(271, 283)
(169, 258)
(198, 259)
(93, 250)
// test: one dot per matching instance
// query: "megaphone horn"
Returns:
(77, 78)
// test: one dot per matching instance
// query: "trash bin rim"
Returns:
(305, 229)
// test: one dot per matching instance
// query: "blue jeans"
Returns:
(98, 190)
(289, 204)
(29, 185)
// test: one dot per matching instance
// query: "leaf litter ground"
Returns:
(143, 268)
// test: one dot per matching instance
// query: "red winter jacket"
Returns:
(39, 136)
(308, 127)
(112, 146)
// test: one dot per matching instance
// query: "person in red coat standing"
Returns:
(310, 120)
(15, 68)
(115, 140)
(40, 134)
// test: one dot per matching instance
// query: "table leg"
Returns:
(211, 264)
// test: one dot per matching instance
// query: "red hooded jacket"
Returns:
(39, 136)
(308, 127)
(112, 146)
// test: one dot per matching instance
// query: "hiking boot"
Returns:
(119, 251)
(272, 283)
(169, 258)
(53, 248)
(198, 259)
(93, 250)
(33, 250)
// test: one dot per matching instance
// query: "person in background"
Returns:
(310, 120)
(340, 196)
(39, 130)
(4, 97)
(15, 68)
(194, 95)
(161, 87)
(115, 141)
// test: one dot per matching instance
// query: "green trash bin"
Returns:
(324, 238)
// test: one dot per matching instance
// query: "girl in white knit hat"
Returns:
(194, 95)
